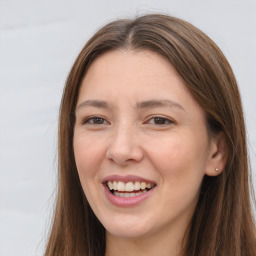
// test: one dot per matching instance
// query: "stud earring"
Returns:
(217, 169)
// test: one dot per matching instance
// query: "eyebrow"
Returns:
(93, 103)
(140, 105)
(158, 103)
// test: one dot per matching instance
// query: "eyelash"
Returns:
(167, 121)
(93, 119)
(97, 120)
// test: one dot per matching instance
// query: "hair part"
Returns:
(222, 223)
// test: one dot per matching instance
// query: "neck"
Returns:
(166, 244)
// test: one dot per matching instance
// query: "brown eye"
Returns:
(98, 120)
(160, 121)
(95, 121)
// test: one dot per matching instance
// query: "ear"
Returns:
(217, 156)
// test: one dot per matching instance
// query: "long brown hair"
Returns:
(222, 223)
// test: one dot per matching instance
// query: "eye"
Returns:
(158, 120)
(95, 120)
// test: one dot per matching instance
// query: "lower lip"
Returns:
(127, 201)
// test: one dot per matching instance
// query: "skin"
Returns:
(175, 151)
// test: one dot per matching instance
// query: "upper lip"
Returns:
(126, 179)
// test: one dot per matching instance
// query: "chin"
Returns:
(127, 229)
(126, 233)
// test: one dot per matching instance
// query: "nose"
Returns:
(125, 147)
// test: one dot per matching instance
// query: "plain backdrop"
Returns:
(39, 40)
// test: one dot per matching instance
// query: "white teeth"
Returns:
(126, 195)
(115, 185)
(137, 185)
(143, 185)
(120, 186)
(110, 185)
(149, 185)
(129, 186)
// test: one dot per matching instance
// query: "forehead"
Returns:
(133, 75)
(131, 59)
(124, 68)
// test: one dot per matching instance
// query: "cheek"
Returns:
(179, 159)
(88, 155)
(170, 155)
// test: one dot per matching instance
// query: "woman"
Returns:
(152, 147)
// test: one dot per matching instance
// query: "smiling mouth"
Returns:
(129, 189)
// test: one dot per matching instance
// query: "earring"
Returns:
(217, 169)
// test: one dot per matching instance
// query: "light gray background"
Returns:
(39, 41)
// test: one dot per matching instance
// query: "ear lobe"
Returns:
(218, 155)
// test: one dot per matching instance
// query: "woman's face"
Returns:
(141, 145)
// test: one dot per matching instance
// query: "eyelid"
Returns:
(168, 119)
(87, 119)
